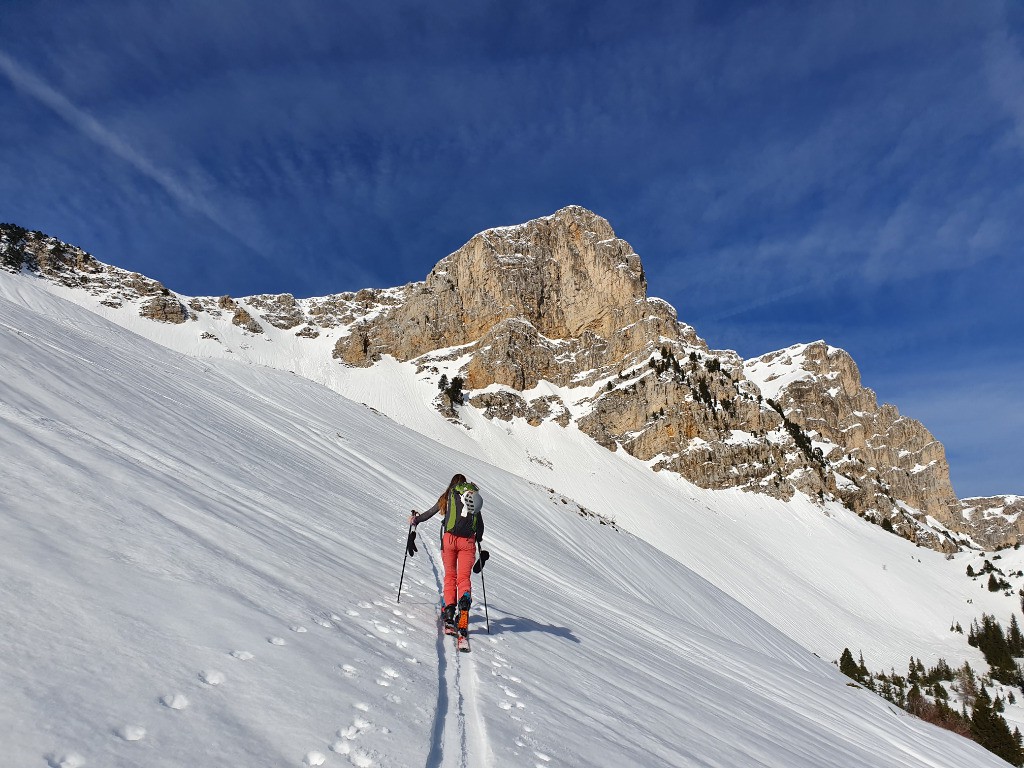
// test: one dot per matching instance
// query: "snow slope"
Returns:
(199, 563)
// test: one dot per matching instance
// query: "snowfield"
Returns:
(199, 564)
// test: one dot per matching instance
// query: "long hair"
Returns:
(442, 501)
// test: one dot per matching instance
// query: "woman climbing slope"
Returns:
(462, 527)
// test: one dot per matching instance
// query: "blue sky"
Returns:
(787, 171)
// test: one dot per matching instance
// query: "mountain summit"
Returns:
(550, 321)
(564, 278)
(538, 301)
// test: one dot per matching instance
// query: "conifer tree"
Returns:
(967, 684)
(1015, 638)
(940, 671)
(454, 390)
(989, 638)
(991, 731)
(916, 702)
(912, 675)
(848, 666)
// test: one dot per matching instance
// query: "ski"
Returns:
(457, 625)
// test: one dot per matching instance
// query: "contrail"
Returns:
(90, 127)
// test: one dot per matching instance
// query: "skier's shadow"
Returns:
(510, 622)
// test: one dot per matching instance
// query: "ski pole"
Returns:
(483, 586)
(408, 545)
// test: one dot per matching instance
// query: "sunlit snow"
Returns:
(199, 565)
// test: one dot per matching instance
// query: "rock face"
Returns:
(544, 300)
(889, 462)
(239, 315)
(994, 521)
(550, 321)
(165, 309)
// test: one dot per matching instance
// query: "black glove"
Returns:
(481, 561)
(410, 545)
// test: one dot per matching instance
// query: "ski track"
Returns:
(475, 729)
(459, 736)
(436, 755)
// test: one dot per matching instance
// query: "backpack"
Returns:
(463, 507)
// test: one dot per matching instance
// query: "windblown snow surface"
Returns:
(199, 565)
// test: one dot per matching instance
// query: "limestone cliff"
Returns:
(545, 300)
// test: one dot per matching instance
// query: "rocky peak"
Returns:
(525, 296)
(807, 363)
(565, 274)
(22, 249)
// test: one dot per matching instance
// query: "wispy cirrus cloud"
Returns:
(1005, 70)
(88, 126)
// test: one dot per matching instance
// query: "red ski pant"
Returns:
(458, 554)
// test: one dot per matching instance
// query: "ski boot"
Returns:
(448, 616)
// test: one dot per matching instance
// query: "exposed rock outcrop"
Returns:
(71, 267)
(888, 462)
(281, 311)
(165, 309)
(240, 316)
(994, 521)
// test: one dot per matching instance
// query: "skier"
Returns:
(461, 530)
